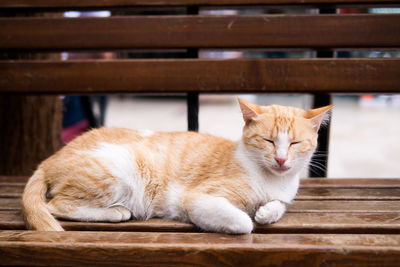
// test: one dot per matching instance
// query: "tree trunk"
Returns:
(30, 131)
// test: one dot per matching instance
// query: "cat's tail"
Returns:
(36, 214)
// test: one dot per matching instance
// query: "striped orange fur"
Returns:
(113, 175)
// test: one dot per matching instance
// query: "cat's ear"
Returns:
(249, 110)
(318, 116)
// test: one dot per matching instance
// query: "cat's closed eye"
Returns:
(269, 140)
(295, 143)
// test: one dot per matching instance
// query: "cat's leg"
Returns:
(217, 214)
(270, 212)
(74, 210)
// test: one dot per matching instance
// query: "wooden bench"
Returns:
(345, 222)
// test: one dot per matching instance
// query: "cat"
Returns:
(113, 174)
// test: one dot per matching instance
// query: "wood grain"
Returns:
(346, 193)
(297, 206)
(11, 190)
(196, 239)
(312, 233)
(195, 75)
(344, 206)
(15, 190)
(376, 214)
(13, 179)
(350, 183)
(10, 203)
(360, 223)
(201, 31)
(304, 182)
(196, 249)
(134, 3)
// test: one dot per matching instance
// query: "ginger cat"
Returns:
(113, 175)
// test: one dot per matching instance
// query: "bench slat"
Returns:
(200, 31)
(348, 194)
(304, 183)
(11, 190)
(201, 75)
(349, 183)
(196, 249)
(344, 206)
(372, 223)
(297, 206)
(10, 203)
(134, 3)
(15, 191)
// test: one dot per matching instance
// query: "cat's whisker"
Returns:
(321, 161)
(317, 164)
(317, 158)
(320, 155)
(320, 152)
(318, 167)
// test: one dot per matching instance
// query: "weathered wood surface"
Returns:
(314, 232)
(321, 206)
(321, 222)
(135, 3)
(343, 206)
(13, 179)
(196, 249)
(240, 75)
(348, 183)
(200, 31)
(304, 183)
(10, 190)
(348, 194)
(10, 203)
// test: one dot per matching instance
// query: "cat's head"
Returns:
(281, 139)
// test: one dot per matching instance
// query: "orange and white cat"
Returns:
(113, 175)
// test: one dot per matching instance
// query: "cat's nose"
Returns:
(281, 161)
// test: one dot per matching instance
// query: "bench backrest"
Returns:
(305, 31)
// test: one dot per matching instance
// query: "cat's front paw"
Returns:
(119, 214)
(241, 225)
(270, 212)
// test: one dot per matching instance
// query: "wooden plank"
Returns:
(13, 179)
(13, 220)
(298, 206)
(201, 75)
(350, 183)
(347, 194)
(11, 190)
(304, 183)
(134, 3)
(367, 223)
(15, 190)
(327, 222)
(10, 203)
(201, 31)
(196, 249)
(344, 206)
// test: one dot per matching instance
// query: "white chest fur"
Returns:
(266, 186)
